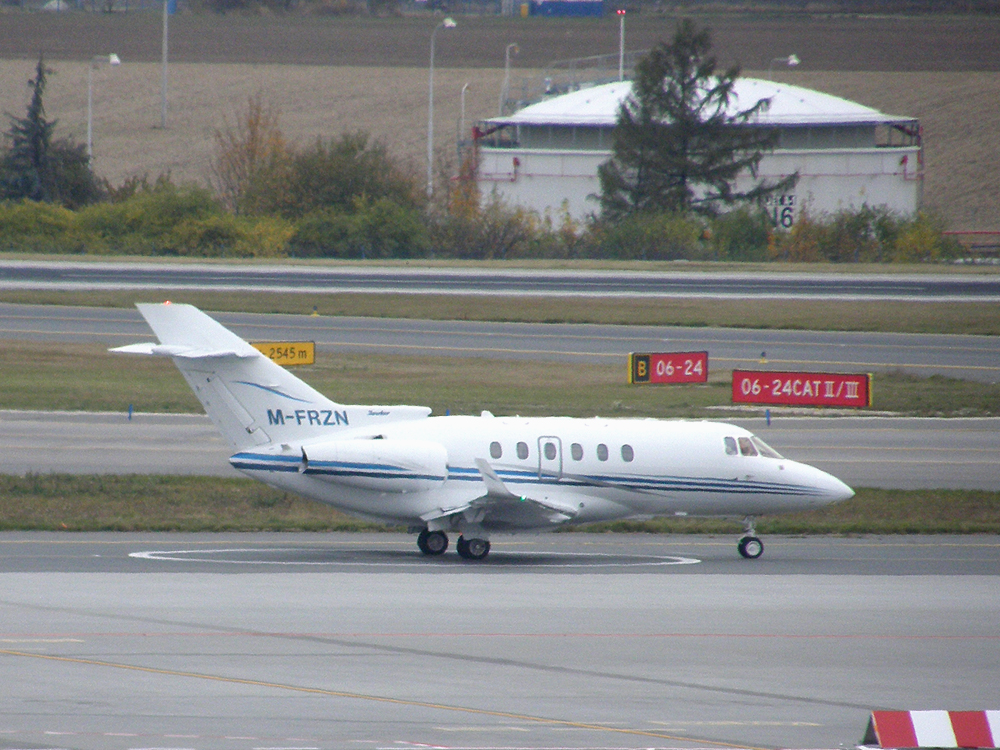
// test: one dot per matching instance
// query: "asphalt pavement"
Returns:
(254, 642)
(78, 275)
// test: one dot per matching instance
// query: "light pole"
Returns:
(111, 59)
(461, 127)
(621, 44)
(163, 63)
(791, 61)
(447, 23)
(506, 73)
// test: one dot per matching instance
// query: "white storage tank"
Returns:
(545, 157)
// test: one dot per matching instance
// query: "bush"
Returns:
(212, 236)
(651, 236)
(336, 173)
(374, 229)
(866, 235)
(32, 227)
(741, 235)
(495, 231)
(143, 223)
(923, 240)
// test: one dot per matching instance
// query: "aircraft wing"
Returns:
(500, 508)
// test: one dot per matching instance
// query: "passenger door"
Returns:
(550, 457)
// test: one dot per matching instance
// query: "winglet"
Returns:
(497, 490)
(494, 485)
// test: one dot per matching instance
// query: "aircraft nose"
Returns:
(835, 490)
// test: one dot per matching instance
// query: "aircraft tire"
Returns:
(750, 547)
(432, 542)
(472, 549)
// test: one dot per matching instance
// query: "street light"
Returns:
(791, 61)
(447, 23)
(461, 127)
(112, 60)
(506, 73)
(621, 44)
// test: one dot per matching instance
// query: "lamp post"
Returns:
(504, 91)
(461, 127)
(113, 60)
(163, 63)
(791, 61)
(447, 23)
(621, 44)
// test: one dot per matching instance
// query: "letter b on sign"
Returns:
(639, 371)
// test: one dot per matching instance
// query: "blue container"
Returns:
(564, 8)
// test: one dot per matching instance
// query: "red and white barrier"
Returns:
(906, 729)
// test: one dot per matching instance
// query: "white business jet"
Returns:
(468, 475)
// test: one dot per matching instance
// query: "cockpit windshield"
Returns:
(764, 449)
(749, 446)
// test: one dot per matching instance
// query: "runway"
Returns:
(247, 642)
(303, 278)
(963, 357)
(862, 451)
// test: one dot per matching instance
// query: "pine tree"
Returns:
(30, 137)
(37, 168)
(676, 145)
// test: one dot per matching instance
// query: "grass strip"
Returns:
(901, 316)
(86, 377)
(63, 502)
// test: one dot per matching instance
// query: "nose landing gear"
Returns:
(749, 545)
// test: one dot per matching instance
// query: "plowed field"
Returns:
(328, 75)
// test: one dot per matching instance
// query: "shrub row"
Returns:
(165, 219)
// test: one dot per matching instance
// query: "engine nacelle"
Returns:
(380, 465)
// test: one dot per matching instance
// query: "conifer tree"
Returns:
(35, 167)
(677, 146)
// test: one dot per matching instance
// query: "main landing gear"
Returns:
(749, 545)
(432, 542)
(436, 542)
(472, 549)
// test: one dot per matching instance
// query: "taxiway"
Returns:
(247, 642)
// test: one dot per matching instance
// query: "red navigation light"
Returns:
(620, 11)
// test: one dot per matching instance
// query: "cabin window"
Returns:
(746, 447)
(731, 446)
(550, 451)
(765, 449)
(602, 452)
(627, 453)
(522, 450)
(495, 450)
(576, 451)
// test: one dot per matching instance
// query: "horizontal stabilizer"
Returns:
(177, 350)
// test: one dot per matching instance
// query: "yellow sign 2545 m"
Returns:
(288, 353)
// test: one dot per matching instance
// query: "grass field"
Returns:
(328, 76)
(85, 377)
(140, 503)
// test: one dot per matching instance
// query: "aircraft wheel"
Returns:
(432, 542)
(472, 549)
(750, 547)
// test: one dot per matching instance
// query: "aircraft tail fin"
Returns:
(245, 394)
